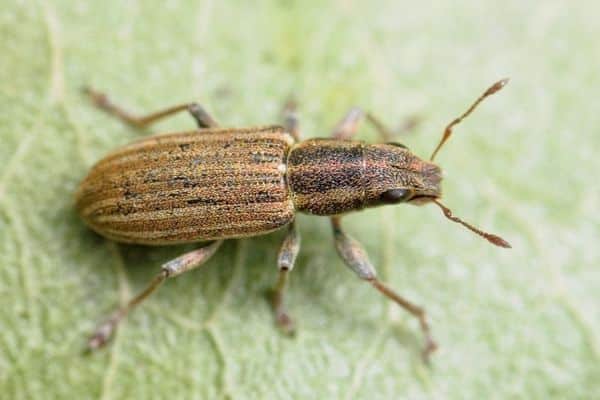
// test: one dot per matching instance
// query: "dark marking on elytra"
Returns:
(265, 197)
(151, 177)
(202, 201)
(129, 194)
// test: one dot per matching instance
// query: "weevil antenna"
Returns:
(494, 239)
(448, 131)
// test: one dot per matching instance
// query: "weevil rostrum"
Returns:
(214, 183)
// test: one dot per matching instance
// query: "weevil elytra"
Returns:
(213, 184)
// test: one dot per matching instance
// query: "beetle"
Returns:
(214, 183)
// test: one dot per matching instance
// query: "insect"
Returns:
(213, 183)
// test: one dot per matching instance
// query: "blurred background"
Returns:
(520, 323)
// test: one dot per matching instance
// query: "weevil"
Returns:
(213, 183)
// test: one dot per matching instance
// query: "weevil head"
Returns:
(392, 175)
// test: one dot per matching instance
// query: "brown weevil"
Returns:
(213, 183)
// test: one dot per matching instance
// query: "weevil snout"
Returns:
(395, 175)
(432, 178)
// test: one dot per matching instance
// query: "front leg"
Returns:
(356, 258)
(348, 125)
(291, 121)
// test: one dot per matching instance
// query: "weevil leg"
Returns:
(101, 100)
(348, 125)
(177, 266)
(285, 263)
(202, 117)
(408, 125)
(291, 120)
(356, 258)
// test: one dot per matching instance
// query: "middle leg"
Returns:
(290, 119)
(285, 263)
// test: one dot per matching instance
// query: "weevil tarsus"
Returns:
(101, 100)
(173, 268)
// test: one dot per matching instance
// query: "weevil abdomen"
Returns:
(186, 187)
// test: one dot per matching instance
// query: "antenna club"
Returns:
(498, 241)
(497, 86)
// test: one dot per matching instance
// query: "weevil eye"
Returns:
(393, 196)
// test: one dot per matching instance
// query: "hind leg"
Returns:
(101, 100)
(178, 266)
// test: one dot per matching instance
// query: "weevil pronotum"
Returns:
(213, 183)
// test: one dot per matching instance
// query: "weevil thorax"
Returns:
(330, 177)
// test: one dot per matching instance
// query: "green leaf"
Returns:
(520, 323)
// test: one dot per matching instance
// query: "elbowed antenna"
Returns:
(448, 131)
(494, 239)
